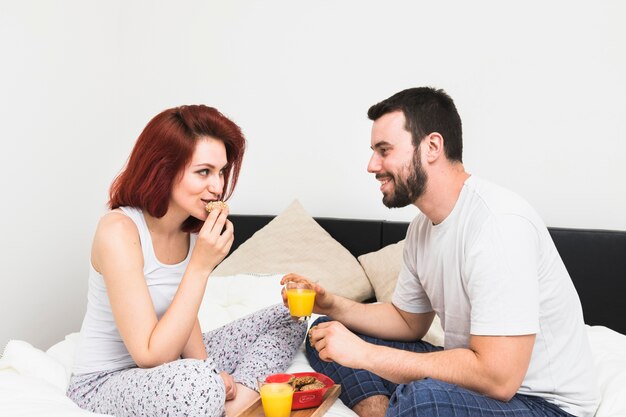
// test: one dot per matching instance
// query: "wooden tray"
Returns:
(256, 409)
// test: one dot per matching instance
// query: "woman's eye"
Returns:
(203, 172)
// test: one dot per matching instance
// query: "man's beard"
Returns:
(405, 192)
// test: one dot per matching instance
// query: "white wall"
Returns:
(541, 88)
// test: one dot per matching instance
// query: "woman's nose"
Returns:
(216, 185)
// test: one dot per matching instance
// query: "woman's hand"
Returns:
(323, 299)
(229, 385)
(214, 241)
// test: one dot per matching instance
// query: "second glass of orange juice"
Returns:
(300, 298)
(276, 398)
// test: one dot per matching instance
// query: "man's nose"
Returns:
(374, 164)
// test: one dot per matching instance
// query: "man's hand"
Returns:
(335, 343)
(323, 299)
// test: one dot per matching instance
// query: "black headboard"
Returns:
(595, 259)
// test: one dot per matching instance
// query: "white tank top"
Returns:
(101, 347)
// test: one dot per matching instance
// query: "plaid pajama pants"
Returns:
(426, 397)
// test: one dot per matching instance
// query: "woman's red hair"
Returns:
(164, 149)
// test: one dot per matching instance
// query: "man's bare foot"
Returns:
(374, 406)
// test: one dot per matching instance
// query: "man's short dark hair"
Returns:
(426, 110)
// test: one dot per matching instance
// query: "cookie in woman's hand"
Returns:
(215, 204)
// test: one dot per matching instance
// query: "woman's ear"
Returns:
(434, 146)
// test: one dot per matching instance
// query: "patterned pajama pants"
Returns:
(425, 397)
(259, 344)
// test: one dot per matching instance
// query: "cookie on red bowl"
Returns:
(309, 393)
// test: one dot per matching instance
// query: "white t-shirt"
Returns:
(491, 268)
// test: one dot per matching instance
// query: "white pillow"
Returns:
(23, 358)
(609, 355)
(63, 352)
(294, 242)
(228, 298)
(28, 396)
(33, 382)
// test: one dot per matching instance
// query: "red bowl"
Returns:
(305, 399)
(279, 378)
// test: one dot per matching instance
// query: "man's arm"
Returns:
(381, 320)
(492, 365)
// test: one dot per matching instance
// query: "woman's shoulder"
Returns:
(116, 236)
(116, 224)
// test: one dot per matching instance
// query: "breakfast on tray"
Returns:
(309, 388)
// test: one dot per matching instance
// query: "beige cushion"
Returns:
(294, 242)
(382, 269)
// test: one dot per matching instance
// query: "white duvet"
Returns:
(33, 382)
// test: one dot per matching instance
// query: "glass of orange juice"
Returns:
(300, 298)
(276, 398)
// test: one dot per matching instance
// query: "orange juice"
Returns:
(300, 301)
(276, 399)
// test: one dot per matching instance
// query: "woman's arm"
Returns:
(195, 349)
(117, 255)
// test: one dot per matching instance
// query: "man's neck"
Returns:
(442, 192)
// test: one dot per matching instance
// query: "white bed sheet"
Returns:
(33, 382)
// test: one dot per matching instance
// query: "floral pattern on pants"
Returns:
(253, 346)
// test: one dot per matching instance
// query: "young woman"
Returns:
(142, 352)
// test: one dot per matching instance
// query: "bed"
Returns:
(358, 259)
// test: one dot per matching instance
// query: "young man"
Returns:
(479, 257)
